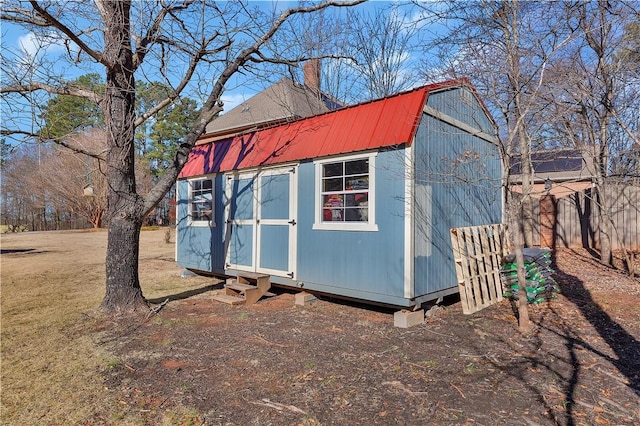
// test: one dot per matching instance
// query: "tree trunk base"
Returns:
(133, 305)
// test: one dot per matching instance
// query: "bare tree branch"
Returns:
(147, 41)
(98, 56)
(195, 59)
(24, 16)
(69, 89)
(213, 106)
(62, 142)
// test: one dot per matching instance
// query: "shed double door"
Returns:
(260, 235)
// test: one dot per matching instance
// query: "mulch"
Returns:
(338, 363)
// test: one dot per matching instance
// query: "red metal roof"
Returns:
(386, 122)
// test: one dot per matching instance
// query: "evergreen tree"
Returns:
(65, 114)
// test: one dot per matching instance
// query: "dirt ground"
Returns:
(198, 361)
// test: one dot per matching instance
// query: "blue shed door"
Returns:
(261, 222)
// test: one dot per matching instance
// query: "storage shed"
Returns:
(354, 203)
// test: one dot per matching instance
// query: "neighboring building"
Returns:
(565, 212)
(557, 172)
(279, 103)
(354, 203)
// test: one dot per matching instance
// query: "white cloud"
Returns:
(28, 44)
(33, 45)
(232, 100)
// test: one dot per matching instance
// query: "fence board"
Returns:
(577, 219)
(477, 251)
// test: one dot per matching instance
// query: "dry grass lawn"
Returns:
(51, 283)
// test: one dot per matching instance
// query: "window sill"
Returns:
(201, 223)
(345, 226)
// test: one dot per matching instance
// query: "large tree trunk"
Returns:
(124, 206)
(123, 293)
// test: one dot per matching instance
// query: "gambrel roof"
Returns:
(386, 122)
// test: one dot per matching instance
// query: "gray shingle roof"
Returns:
(284, 100)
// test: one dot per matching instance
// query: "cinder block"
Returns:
(185, 273)
(406, 319)
(304, 298)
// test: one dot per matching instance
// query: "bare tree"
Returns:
(594, 102)
(504, 47)
(73, 182)
(383, 42)
(19, 206)
(177, 41)
(367, 53)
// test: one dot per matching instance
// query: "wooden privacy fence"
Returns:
(478, 251)
(572, 220)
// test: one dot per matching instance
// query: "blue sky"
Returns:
(16, 42)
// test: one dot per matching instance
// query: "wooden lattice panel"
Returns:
(477, 251)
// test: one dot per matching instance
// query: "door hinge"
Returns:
(290, 275)
(292, 222)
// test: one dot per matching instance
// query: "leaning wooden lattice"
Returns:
(477, 251)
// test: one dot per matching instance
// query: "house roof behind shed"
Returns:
(282, 101)
(552, 161)
(380, 123)
(557, 165)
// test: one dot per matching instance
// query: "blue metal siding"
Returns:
(457, 184)
(364, 264)
(274, 250)
(468, 111)
(200, 247)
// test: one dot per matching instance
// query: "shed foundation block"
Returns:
(406, 319)
(304, 298)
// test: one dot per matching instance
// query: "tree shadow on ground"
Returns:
(564, 359)
(186, 294)
(623, 344)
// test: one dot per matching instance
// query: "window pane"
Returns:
(357, 182)
(332, 184)
(356, 167)
(332, 210)
(349, 200)
(334, 200)
(345, 191)
(333, 169)
(201, 199)
(353, 214)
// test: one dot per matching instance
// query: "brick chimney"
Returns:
(311, 73)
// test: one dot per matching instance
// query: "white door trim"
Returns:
(256, 220)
